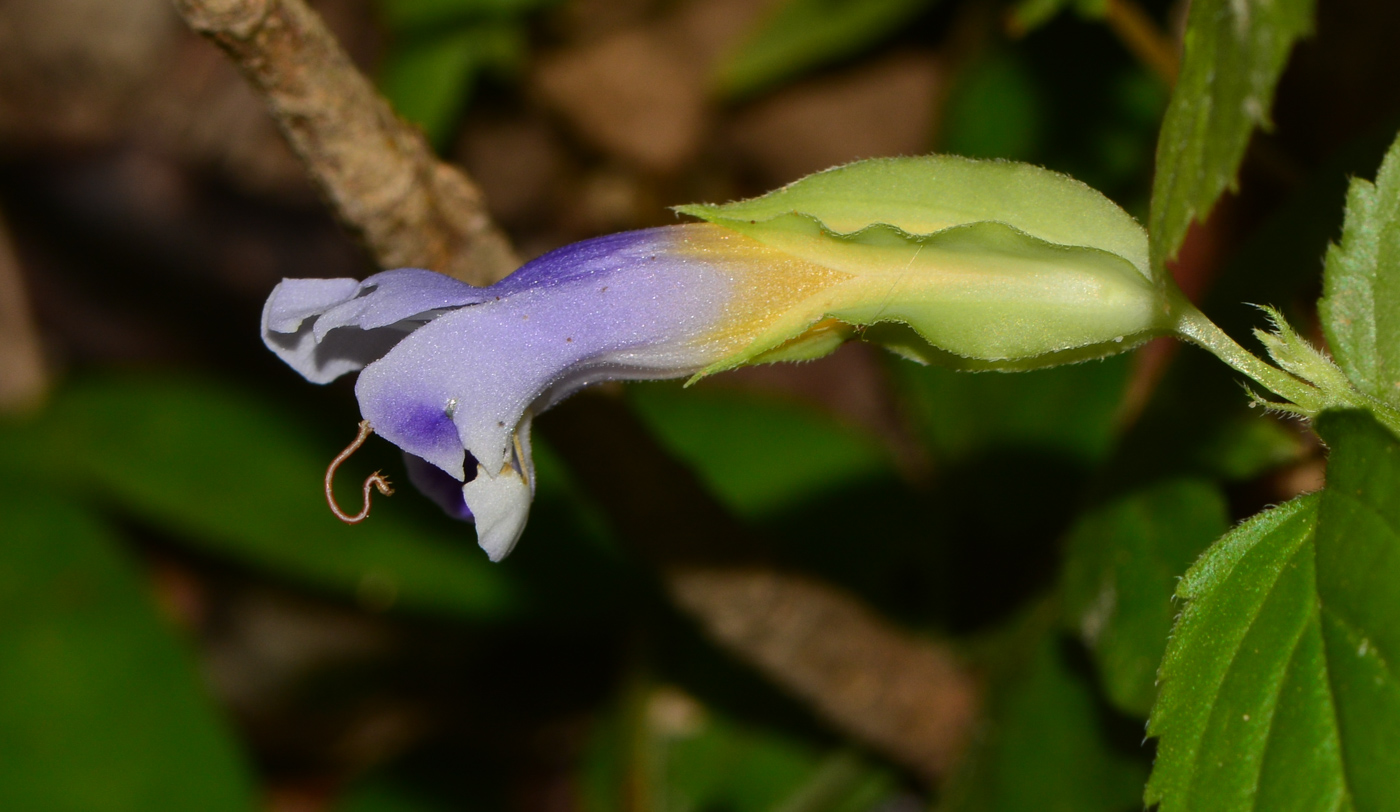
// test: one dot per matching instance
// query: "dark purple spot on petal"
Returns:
(424, 425)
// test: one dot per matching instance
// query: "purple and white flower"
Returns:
(453, 374)
(980, 265)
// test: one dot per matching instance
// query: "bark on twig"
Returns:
(908, 697)
(379, 174)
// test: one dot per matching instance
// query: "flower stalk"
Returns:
(1306, 378)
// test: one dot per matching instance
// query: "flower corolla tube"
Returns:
(974, 264)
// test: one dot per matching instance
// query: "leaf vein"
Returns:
(1371, 508)
(1273, 706)
(1211, 708)
(1332, 705)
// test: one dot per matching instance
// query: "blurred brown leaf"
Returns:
(874, 110)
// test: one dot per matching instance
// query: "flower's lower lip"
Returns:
(439, 486)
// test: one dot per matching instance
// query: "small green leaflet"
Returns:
(1235, 51)
(1360, 308)
(1277, 689)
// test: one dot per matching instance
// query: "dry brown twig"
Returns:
(23, 378)
(379, 175)
(1141, 35)
(909, 697)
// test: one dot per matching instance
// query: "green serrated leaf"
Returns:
(1123, 561)
(805, 34)
(100, 709)
(1247, 645)
(1276, 689)
(1360, 307)
(1234, 53)
(225, 472)
(1358, 565)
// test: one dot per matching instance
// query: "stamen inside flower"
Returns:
(375, 480)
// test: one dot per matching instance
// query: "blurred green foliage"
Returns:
(1048, 745)
(1070, 410)
(386, 796)
(758, 454)
(997, 110)
(438, 51)
(100, 708)
(800, 35)
(223, 471)
(1061, 102)
(429, 79)
(661, 749)
(1122, 562)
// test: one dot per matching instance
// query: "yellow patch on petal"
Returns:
(766, 285)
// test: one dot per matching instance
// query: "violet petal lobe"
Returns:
(301, 318)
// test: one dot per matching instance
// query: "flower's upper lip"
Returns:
(394, 296)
